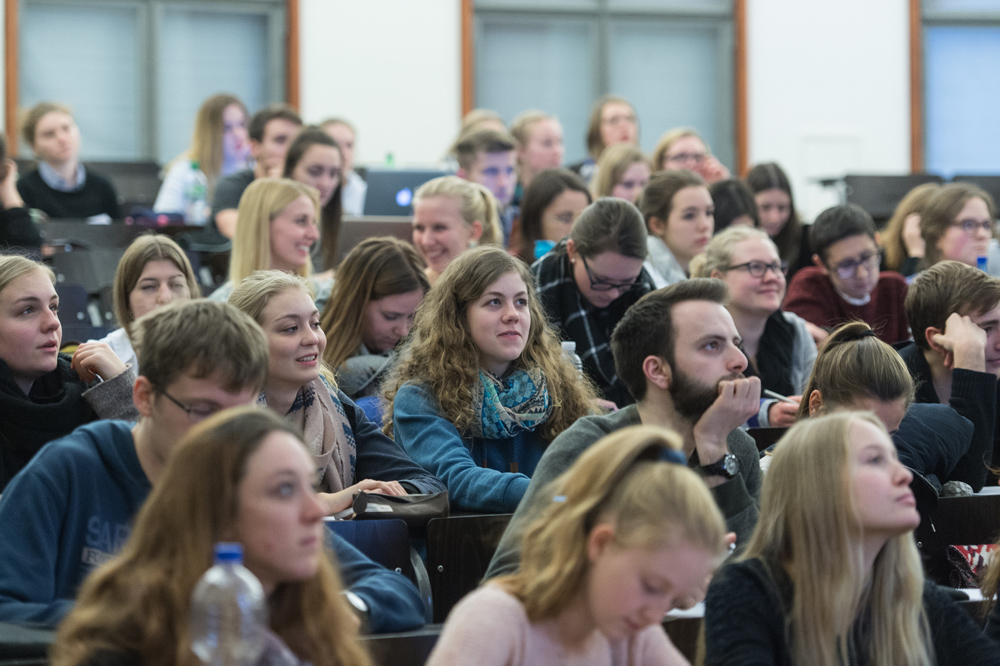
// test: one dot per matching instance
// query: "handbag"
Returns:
(414, 510)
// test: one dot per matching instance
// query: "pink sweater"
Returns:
(490, 628)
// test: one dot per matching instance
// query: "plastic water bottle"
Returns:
(569, 348)
(228, 615)
(981, 263)
(196, 197)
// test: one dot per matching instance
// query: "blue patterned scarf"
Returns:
(506, 407)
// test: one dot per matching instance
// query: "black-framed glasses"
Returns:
(759, 269)
(970, 227)
(688, 158)
(848, 268)
(603, 285)
(194, 414)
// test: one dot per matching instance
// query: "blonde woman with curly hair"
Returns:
(482, 385)
(244, 476)
(630, 533)
(832, 574)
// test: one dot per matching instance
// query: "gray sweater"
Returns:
(738, 499)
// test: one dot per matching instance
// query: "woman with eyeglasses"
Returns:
(482, 385)
(588, 281)
(778, 345)
(683, 148)
(845, 283)
(958, 224)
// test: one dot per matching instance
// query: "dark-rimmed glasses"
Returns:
(603, 285)
(759, 269)
(970, 227)
(848, 268)
(194, 414)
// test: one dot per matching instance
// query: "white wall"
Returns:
(828, 87)
(392, 67)
(828, 82)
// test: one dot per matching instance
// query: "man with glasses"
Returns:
(678, 352)
(71, 508)
(845, 284)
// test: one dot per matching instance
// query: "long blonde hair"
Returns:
(612, 165)
(441, 353)
(139, 603)
(261, 202)
(206, 139)
(892, 240)
(622, 479)
(809, 526)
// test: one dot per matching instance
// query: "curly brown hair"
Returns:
(442, 354)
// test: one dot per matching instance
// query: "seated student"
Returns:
(277, 228)
(683, 148)
(379, 285)
(845, 284)
(350, 452)
(219, 148)
(84, 489)
(153, 271)
(44, 394)
(958, 224)
(17, 230)
(628, 533)
(219, 486)
(271, 131)
(482, 385)
(734, 205)
(954, 358)
(776, 206)
(355, 188)
(539, 139)
(551, 204)
(680, 216)
(61, 187)
(778, 345)
(588, 281)
(832, 574)
(622, 172)
(612, 120)
(856, 370)
(451, 215)
(314, 159)
(677, 350)
(489, 158)
(903, 244)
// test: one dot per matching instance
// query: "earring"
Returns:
(472, 243)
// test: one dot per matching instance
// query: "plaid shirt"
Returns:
(577, 320)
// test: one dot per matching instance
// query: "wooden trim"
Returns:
(740, 75)
(468, 57)
(916, 89)
(292, 55)
(11, 76)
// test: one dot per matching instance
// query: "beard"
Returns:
(691, 397)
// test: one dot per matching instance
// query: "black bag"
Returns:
(414, 510)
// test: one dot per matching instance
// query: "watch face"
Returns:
(731, 463)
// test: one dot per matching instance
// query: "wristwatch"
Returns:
(359, 607)
(727, 467)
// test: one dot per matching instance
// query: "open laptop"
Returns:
(390, 191)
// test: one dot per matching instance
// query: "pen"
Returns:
(778, 396)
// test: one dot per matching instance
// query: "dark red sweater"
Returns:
(811, 295)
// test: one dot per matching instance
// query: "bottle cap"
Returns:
(981, 263)
(569, 346)
(229, 552)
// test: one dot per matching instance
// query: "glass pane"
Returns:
(204, 52)
(545, 64)
(85, 57)
(962, 126)
(542, 5)
(676, 73)
(938, 8)
(722, 7)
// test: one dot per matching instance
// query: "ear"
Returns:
(571, 249)
(143, 396)
(657, 226)
(600, 538)
(462, 173)
(657, 372)
(716, 273)
(254, 148)
(477, 230)
(929, 334)
(818, 263)
(878, 239)
(815, 403)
